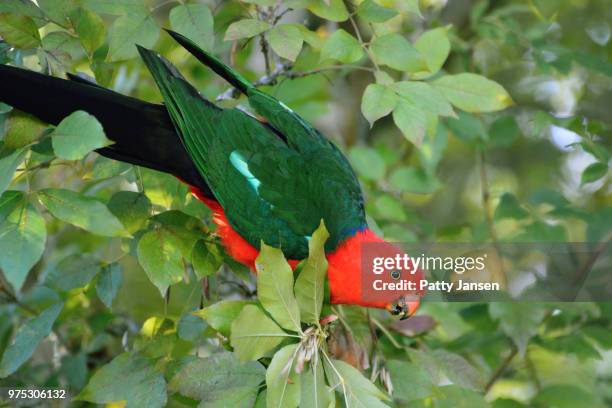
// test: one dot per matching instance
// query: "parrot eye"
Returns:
(396, 274)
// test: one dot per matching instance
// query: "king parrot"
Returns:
(268, 178)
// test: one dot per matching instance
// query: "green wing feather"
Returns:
(271, 189)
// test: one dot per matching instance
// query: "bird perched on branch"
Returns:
(270, 178)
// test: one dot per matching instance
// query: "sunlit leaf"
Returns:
(9, 161)
(353, 387)
(310, 285)
(253, 334)
(275, 288)
(396, 52)
(435, 46)
(160, 256)
(377, 101)
(220, 315)
(343, 47)
(131, 209)
(19, 31)
(89, 27)
(283, 384)
(22, 235)
(194, 21)
(246, 28)
(129, 30)
(473, 93)
(286, 40)
(370, 11)
(77, 135)
(82, 211)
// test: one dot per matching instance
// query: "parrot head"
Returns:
(350, 276)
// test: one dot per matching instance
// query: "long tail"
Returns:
(143, 132)
(234, 78)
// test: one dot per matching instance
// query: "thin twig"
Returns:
(502, 367)
(366, 48)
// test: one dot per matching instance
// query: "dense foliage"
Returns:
(471, 121)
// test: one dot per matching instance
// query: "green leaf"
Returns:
(27, 338)
(371, 12)
(567, 396)
(333, 10)
(82, 211)
(8, 165)
(594, 172)
(160, 256)
(221, 314)
(186, 229)
(22, 235)
(246, 28)
(509, 207)
(194, 21)
(286, 40)
(129, 30)
(220, 381)
(411, 6)
(504, 132)
(378, 101)
(22, 129)
(396, 52)
(275, 288)
(19, 31)
(410, 382)
(78, 134)
(435, 46)
(473, 93)
(411, 120)
(129, 377)
(21, 8)
(104, 168)
(117, 7)
(310, 284)
(413, 180)
(354, 388)
(131, 209)
(343, 47)
(74, 271)
(468, 128)
(315, 393)
(452, 396)
(206, 259)
(190, 328)
(283, 384)
(57, 10)
(458, 370)
(90, 28)
(596, 150)
(424, 96)
(253, 334)
(520, 321)
(367, 162)
(109, 282)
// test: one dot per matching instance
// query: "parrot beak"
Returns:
(404, 307)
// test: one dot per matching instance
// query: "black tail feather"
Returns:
(143, 132)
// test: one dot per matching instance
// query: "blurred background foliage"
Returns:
(527, 161)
